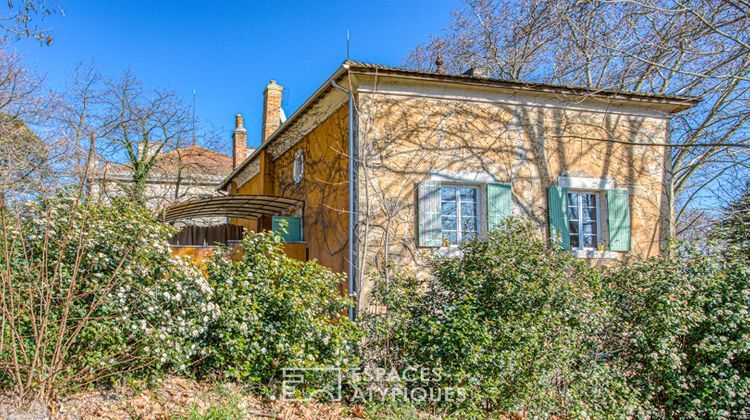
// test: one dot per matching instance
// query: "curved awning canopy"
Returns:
(239, 206)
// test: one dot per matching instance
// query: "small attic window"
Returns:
(299, 166)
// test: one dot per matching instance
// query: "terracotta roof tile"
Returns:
(193, 160)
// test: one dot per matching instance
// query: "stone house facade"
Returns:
(437, 159)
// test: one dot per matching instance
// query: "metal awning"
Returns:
(239, 206)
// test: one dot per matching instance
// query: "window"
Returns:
(299, 166)
(583, 220)
(459, 213)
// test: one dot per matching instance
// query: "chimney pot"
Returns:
(479, 71)
(239, 142)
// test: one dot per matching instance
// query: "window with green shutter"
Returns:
(452, 212)
(499, 203)
(618, 220)
(292, 229)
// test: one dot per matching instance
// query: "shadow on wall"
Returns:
(405, 140)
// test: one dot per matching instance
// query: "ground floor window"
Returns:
(583, 220)
(459, 213)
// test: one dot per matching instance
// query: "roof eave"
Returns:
(678, 103)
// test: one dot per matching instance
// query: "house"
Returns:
(181, 174)
(178, 174)
(441, 158)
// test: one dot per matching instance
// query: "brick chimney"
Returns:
(239, 142)
(271, 110)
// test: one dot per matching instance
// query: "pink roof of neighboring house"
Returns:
(194, 160)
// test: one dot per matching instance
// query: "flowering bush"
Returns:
(91, 294)
(522, 328)
(681, 331)
(276, 312)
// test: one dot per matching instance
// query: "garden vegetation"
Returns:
(91, 297)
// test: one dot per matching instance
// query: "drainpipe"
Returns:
(352, 269)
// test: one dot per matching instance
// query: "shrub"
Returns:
(522, 328)
(519, 327)
(385, 324)
(276, 312)
(90, 294)
(681, 331)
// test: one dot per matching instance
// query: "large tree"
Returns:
(664, 47)
(124, 124)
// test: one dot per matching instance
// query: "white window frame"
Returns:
(478, 196)
(579, 208)
(298, 167)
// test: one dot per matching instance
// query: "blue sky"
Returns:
(228, 51)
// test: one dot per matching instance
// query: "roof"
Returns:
(369, 67)
(239, 206)
(679, 103)
(190, 160)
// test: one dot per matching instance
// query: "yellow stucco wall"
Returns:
(324, 188)
(405, 139)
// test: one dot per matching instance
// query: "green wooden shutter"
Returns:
(499, 203)
(293, 228)
(558, 215)
(429, 226)
(618, 219)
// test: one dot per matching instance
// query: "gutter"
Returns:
(352, 269)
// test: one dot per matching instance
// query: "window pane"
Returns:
(589, 214)
(468, 194)
(448, 193)
(448, 208)
(589, 228)
(468, 209)
(468, 224)
(573, 225)
(573, 213)
(574, 240)
(589, 200)
(449, 223)
(590, 241)
(451, 236)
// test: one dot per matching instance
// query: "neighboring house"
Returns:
(178, 175)
(442, 158)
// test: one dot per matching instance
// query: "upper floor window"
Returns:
(459, 213)
(583, 220)
(299, 166)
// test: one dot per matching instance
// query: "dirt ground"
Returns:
(178, 398)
